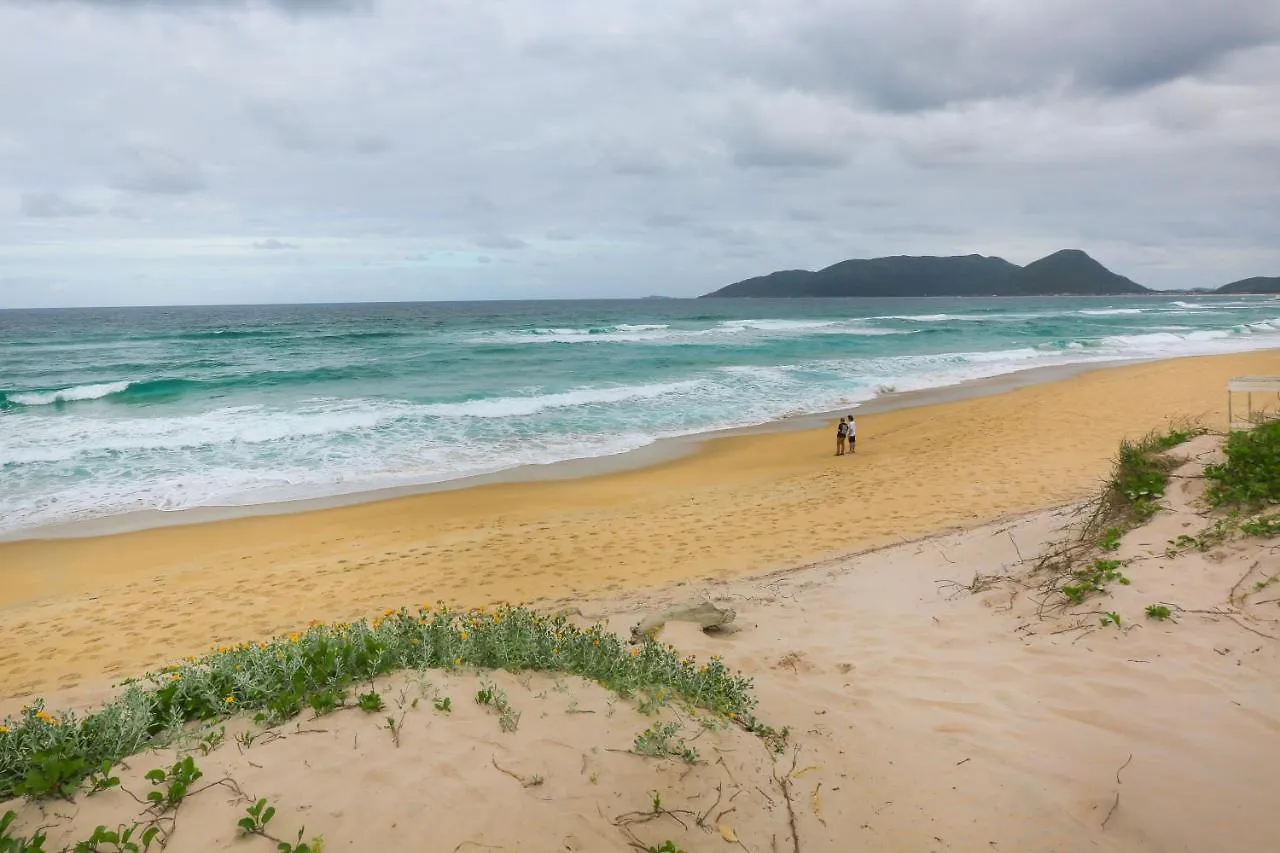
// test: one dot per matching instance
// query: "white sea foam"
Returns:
(157, 458)
(1109, 312)
(68, 395)
(509, 407)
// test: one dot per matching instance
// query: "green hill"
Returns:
(1257, 284)
(1068, 272)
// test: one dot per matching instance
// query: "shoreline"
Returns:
(659, 451)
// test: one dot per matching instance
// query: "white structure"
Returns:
(1262, 399)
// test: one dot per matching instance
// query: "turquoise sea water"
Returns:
(106, 411)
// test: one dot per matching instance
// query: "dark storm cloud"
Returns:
(53, 206)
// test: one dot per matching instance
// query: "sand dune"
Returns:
(924, 717)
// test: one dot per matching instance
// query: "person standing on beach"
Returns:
(853, 434)
(842, 432)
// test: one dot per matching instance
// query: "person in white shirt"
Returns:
(853, 434)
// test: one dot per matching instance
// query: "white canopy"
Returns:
(1243, 417)
(1254, 384)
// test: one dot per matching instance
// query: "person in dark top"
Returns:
(842, 435)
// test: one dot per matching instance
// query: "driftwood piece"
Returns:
(706, 615)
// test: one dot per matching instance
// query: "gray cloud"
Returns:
(154, 170)
(715, 140)
(53, 206)
(272, 244)
(500, 242)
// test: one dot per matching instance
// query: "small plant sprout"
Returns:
(120, 840)
(1158, 612)
(1110, 540)
(393, 725)
(1112, 618)
(444, 705)
(176, 782)
(101, 779)
(657, 802)
(661, 741)
(257, 817)
(10, 843)
(669, 846)
(495, 697)
(370, 703)
(210, 741)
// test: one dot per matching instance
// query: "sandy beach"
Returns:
(923, 715)
(95, 609)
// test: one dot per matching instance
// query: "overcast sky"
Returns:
(211, 151)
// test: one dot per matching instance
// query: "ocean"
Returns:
(110, 411)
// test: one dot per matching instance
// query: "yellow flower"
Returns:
(595, 643)
(463, 635)
(732, 715)
(387, 612)
(4, 730)
(44, 717)
(555, 651)
(635, 652)
(230, 700)
(457, 661)
(294, 637)
(173, 676)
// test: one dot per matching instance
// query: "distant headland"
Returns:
(1069, 272)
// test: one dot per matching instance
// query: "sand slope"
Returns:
(925, 718)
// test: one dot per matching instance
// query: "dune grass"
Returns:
(45, 754)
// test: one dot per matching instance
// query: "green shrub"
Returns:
(1158, 612)
(1251, 475)
(50, 755)
(1263, 525)
(1139, 476)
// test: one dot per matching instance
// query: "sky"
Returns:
(245, 151)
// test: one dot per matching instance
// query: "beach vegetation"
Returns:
(1130, 496)
(11, 843)
(662, 740)
(370, 703)
(46, 755)
(1158, 612)
(102, 780)
(1264, 525)
(1110, 539)
(1139, 476)
(1094, 578)
(1110, 618)
(444, 705)
(1250, 476)
(118, 840)
(256, 819)
(174, 783)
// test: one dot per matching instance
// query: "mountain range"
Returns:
(1069, 272)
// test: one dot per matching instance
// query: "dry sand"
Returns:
(924, 718)
(88, 610)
